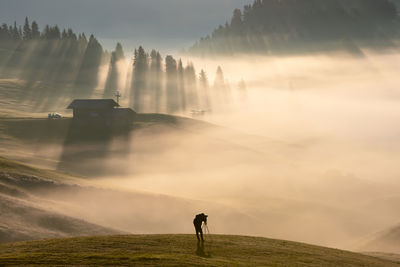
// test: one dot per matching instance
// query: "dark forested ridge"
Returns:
(52, 55)
(59, 65)
(292, 26)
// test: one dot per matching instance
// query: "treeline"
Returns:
(31, 31)
(76, 67)
(51, 55)
(275, 26)
(166, 85)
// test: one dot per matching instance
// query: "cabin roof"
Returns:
(93, 104)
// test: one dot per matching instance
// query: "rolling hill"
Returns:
(387, 241)
(28, 216)
(179, 250)
(38, 204)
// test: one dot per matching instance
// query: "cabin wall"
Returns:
(93, 116)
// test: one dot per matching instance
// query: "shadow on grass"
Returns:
(86, 148)
(202, 250)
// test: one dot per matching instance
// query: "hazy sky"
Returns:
(164, 24)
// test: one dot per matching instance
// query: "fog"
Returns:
(309, 153)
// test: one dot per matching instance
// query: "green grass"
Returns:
(179, 250)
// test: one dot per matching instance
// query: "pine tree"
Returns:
(237, 21)
(156, 79)
(219, 87)
(139, 84)
(204, 90)
(113, 77)
(71, 35)
(27, 34)
(219, 78)
(15, 32)
(56, 34)
(64, 35)
(88, 73)
(46, 32)
(171, 84)
(35, 30)
(20, 33)
(191, 86)
(83, 39)
(181, 85)
(4, 32)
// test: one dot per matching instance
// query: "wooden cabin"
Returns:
(100, 112)
(123, 116)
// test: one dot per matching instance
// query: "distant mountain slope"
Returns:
(21, 220)
(37, 204)
(387, 241)
(296, 26)
(179, 250)
(25, 215)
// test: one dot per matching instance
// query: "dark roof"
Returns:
(93, 104)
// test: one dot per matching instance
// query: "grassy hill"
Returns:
(26, 215)
(179, 250)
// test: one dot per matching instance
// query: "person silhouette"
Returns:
(198, 222)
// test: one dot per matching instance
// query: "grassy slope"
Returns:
(32, 140)
(27, 220)
(14, 167)
(387, 256)
(29, 217)
(179, 250)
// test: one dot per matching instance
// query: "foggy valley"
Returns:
(300, 146)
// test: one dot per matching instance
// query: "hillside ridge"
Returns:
(180, 250)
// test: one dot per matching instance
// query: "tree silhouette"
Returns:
(88, 72)
(114, 72)
(276, 26)
(35, 30)
(219, 88)
(191, 86)
(140, 65)
(236, 22)
(204, 90)
(156, 76)
(15, 32)
(171, 84)
(181, 85)
(27, 30)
